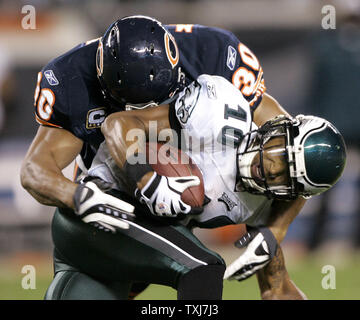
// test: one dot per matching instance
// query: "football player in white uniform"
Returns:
(257, 175)
(68, 129)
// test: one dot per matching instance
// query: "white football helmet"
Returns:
(312, 149)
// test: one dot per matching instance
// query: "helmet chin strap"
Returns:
(140, 106)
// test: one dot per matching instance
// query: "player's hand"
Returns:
(102, 210)
(163, 195)
(261, 248)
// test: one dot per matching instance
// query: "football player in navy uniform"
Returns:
(245, 170)
(138, 63)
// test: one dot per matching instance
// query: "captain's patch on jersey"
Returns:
(50, 77)
(95, 118)
(231, 58)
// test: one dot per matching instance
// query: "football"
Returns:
(172, 162)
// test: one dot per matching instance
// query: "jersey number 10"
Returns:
(230, 135)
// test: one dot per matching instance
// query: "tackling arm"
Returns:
(41, 173)
(117, 126)
(161, 194)
(267, 109)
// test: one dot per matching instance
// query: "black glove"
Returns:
(102, 210)
(261, 248)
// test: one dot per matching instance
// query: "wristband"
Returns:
(135, 171)
(270, 240)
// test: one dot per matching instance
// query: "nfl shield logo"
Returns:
(231, 58)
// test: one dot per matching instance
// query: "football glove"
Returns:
(162, 195)
(102, 210)
(261, 248)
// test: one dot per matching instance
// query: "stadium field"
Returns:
(306, 273)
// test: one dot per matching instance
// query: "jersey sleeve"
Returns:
(247, 73)
(219, 52)
(50, 99)
(212, 112)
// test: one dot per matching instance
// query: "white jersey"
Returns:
(216, 116)
(213, 116)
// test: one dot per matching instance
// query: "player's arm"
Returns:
(262, 243)
(264, 257)
(275, 283)
(118, 126)
(267, 109)
(41, 174)
(54, 148)
(161, 194)
(282, 215)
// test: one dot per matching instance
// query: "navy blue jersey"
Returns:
(214, 51)
(68, 93)
(68, 96)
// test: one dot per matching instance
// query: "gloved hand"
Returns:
(102, 210)
(163, 195)
(261, 248)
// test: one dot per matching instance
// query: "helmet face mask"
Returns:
(265, 154)
(137, 63)
(306, 153)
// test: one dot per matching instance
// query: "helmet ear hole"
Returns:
(118, 77)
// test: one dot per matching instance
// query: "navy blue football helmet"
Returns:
(137, 63)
